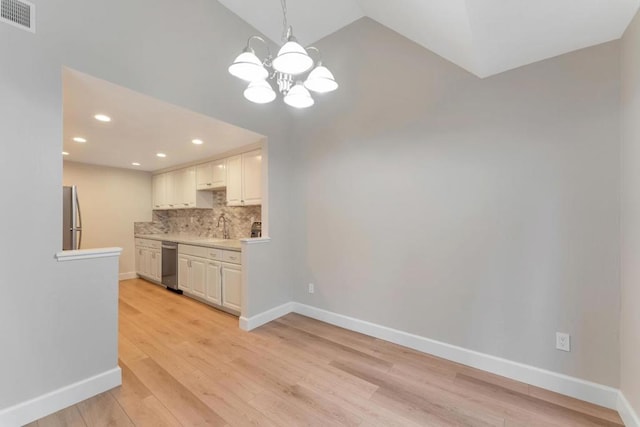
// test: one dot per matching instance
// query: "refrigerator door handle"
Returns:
(77, 219)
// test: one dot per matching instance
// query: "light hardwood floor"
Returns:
(187, 364)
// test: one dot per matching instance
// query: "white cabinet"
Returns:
(211, 275)
(184, 279)
(213, 292)
(232, 286)
(244, 179)
(149, 259)
(198, 268)
(234, 181)
(159, 191)
(177, 190)
(211, 176)
(252, 178)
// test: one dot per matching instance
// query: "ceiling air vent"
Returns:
(18, 13)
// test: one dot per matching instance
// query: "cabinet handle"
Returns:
(186, 204)
(139, 251)
(209, 184)
(233, 258)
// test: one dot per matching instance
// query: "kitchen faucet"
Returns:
(225, 228)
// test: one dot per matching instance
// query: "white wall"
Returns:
(112, 199)
(630, 318)
(480, 213)
(177, 54)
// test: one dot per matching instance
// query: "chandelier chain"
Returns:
(285, 24)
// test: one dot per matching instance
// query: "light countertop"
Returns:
(229, 244)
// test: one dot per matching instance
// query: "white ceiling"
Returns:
(141, 126)
(485, 37)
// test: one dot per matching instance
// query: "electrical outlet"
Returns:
(563, 341)
(311, 288)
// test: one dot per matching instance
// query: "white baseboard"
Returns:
(31, 410)
(588, 391)
(580, 389)
(248, 324)
(628, 415)
(127, 276)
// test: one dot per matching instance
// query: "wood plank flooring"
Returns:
(187, 364)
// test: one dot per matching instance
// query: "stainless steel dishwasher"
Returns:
(170, 266)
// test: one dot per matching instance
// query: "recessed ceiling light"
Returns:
(102, 118)
(162, 155)
(64, 153)
(80, 139)
(198, 141)
(135, 164)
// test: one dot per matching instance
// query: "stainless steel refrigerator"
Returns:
(71, 219)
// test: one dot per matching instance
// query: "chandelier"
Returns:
(287, 69)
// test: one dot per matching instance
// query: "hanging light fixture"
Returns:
(286, 69)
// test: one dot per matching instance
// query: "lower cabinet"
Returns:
(202, 275)
(192, 275)
(213, 293)
(231, 286)
(149, 260)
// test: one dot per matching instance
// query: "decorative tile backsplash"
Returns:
(203, 222)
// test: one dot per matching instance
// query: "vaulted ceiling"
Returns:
(485, 37)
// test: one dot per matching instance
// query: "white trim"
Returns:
(627, 413)
(88, 254)
(248, 324)
(570, 386)
(255, 240)
(127, 276)
(31, 410)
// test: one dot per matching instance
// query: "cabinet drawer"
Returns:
(148, 243)
(232, 257)
(198, 251)
(214, 254)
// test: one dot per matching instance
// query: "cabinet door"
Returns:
(214, 283)
(204, 176)
(252, 178)
(154, 270)
(198, 272)
(174, 188)
(219, 173)
(232, 287)
(146, 261)
(211, 175)
(158, 183)
(234, 181)
(184, 273)
(139, 261)
(188, 183)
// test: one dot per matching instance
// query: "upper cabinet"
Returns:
(159, 191)
(211, 176)
(244, 183)
(177, 190)
(184, 188)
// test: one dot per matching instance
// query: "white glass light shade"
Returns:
(321, 80)
(292, 59)
(260, 92)
(248, 67)
(299, 97)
